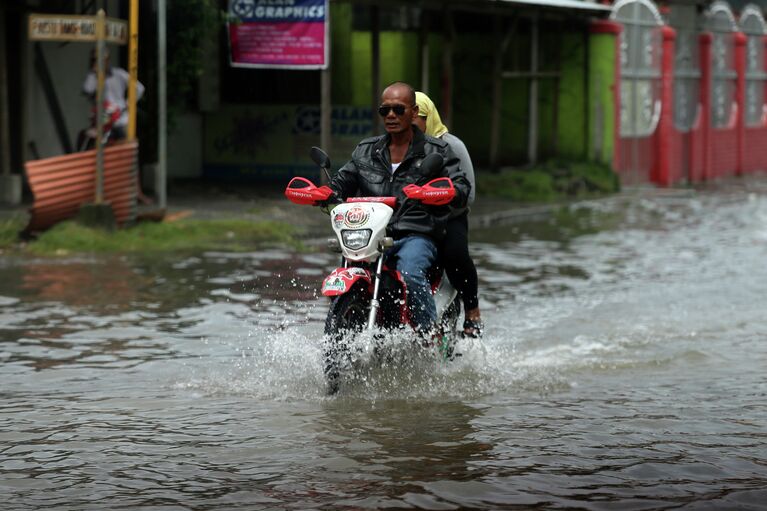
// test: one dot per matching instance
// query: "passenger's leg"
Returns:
(415, 255)
(461, 271)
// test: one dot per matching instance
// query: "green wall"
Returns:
(602, 62)
(341, 53)
(572, 131)
(472, 92)
(473, 102)
(399, 54)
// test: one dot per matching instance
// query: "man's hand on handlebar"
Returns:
(437, 192)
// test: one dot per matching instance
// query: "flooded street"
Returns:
(624, 366)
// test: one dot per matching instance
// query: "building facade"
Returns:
(665, 93)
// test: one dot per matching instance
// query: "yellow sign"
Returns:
(55, 27)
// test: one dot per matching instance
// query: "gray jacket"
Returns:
(459, 148)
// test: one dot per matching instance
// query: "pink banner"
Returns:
(291, 36)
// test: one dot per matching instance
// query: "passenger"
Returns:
(454, 250)
(116, 81)
(381, 167)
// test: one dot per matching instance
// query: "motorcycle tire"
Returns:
(347, 316)
(449, 326)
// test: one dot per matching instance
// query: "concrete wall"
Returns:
(185, 147)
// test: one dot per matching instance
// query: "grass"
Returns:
(150, 237)
(555, 180)
(9, 231)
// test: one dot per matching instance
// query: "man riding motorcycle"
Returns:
(385, 166)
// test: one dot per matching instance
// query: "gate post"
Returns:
(605, 90)
(705, 40)
(740, 98)
(666, 122)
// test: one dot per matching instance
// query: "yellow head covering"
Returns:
(426, 108)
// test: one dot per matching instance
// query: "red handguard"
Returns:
(436, 192)
(302, 191)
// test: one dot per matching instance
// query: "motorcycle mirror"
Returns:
(432, 163)
(320, 157)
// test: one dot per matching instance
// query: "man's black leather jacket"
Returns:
(369, 174)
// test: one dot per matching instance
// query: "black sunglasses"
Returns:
(384, 110)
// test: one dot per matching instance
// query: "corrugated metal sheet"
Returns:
(62, 184)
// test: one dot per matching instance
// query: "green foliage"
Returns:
(9, 232)
(552, 181)
(191, 23)
(148, 237)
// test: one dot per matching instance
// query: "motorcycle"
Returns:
(367, 294)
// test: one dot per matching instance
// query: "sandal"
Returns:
(473, 328)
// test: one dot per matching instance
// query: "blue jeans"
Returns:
(415, 255)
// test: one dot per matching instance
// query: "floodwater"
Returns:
(624, 367)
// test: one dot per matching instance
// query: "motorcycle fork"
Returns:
(374, 303)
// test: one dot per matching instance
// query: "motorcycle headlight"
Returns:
(356, 239)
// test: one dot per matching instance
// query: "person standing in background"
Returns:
(115, 91)
(116, 81)
(455, 246)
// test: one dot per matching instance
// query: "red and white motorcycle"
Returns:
(366, 293)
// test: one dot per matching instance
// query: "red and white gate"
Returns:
(721, 50)
(687, 139)
(640, 88)
(753, 26)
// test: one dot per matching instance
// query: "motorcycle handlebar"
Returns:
(437, 192)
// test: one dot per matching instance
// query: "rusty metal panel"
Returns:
(62, 184)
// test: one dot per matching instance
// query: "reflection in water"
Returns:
(406, 443)
(623, 367)
(104, 284)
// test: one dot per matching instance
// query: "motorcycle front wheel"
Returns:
(347, 317)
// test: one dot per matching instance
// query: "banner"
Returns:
(287, 34)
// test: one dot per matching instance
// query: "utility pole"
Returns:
(161, 182)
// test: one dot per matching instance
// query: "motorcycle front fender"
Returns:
(341, 280)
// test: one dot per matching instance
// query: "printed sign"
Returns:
(288, 34)
(47, 27)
